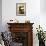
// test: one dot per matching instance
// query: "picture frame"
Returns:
(21, 9)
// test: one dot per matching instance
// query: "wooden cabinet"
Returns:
(22, 33)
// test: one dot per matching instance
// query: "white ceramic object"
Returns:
(13, 21)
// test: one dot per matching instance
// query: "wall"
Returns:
(0, 15)
(33, 13)
(9, 11)
(43, 14)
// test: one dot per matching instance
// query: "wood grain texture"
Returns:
(23, 27)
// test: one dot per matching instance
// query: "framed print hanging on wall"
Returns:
(20, 9)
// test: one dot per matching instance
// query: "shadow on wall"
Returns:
(43, 6)
(0, 23)
(0, 15)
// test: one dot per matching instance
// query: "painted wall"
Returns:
(33, 13)
(43, 14)
(0, 15)
(9, 11)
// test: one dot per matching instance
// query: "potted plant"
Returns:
(41, 36)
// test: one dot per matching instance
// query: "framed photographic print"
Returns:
(20, 9)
